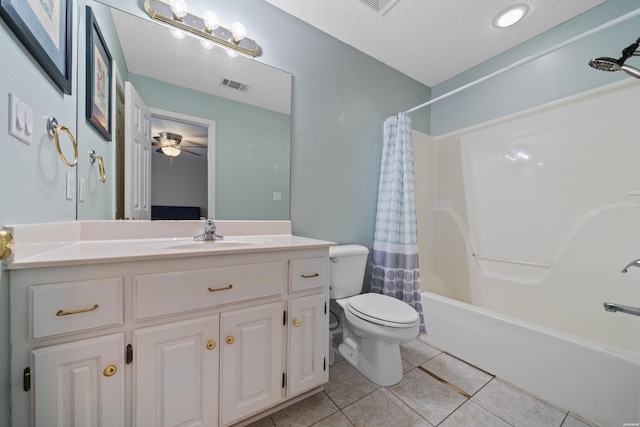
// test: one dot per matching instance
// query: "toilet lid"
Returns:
(383, 310)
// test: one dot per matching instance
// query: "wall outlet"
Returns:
(71, 186)
(277, 196)
(82, 191)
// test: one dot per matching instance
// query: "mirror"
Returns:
(248, 103)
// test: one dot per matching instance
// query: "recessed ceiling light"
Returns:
(510, 15)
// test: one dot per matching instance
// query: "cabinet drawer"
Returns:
(180, 291)
(61, 308)
(308, 273)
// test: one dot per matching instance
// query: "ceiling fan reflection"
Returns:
(169, 143)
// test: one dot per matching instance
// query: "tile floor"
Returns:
(472, 398)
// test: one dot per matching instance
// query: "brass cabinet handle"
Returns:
(211, 345)
(230, 339)
(221, 289)
(296, 323)
(82, 310)
(309, 276)
(109, 371)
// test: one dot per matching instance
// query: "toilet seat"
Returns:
(382, 310)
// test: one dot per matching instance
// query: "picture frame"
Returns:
(99, 71)
(45, 28)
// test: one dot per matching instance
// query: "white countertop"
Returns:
(91, 242)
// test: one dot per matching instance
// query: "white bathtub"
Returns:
(587, 378)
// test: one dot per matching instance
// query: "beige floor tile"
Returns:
(458, 373)
(346, 384)
(517, 407)
(306, 412)
(263, 422)
(427, 396)
(382, 409)
(572, 421)
(472, 415)
(416, 352)
(406, 366)
(336, 420)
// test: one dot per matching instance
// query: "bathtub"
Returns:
(599, 383)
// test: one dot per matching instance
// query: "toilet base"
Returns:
(378, 361)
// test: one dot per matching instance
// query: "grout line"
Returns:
(451, 386)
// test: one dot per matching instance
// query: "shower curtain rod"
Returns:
(530, 58)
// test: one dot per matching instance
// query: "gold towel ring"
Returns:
(54, 130)
(94, 157)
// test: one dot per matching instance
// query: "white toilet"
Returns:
(373, 325)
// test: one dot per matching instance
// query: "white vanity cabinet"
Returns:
(207, 340)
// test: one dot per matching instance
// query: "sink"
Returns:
(228, 242)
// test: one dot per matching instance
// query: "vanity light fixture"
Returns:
(510, 15)
(176, 15)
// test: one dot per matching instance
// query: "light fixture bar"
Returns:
(194, 25)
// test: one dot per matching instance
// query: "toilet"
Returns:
(373, 325)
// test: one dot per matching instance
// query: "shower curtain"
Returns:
(395, 245)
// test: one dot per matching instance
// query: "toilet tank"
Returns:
(347, 265)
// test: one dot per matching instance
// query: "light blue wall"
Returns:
(554, 76)
(251, 144)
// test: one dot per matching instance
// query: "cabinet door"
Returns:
(80, 384)
(251, 366)
(308, 344)
(176, 374)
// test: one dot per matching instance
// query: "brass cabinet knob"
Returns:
(230, 339)
(296, 323)
(6, 244)
(211, 345)
(110, 370)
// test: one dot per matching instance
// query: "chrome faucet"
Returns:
(209, 232)
(634, 263)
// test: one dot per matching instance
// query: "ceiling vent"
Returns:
(235, 85)
(380, 6)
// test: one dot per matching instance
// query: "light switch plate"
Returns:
(71, 186)
(20, 119)
(82, 192)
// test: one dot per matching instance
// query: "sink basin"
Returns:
(228, 242)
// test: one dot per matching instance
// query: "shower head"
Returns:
(610, 64)
(605, 64)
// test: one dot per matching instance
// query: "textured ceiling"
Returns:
(432, 40)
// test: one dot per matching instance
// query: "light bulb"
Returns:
(211, 21)
(205, 44)
(177, 34)
(179, 9)
(239, 32)
(171, 151)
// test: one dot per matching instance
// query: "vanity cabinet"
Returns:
(194, 341)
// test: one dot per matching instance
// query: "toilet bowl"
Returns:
(373, 325)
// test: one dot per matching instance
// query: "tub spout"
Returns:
(634, 263)
(613, 308)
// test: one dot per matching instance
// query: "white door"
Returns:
(176, 374)
(137, 157)
(308, 344)
(80, 384)
(251, 368)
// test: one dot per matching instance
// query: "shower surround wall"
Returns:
(533, 216)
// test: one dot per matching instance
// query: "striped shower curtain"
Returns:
(395, 245)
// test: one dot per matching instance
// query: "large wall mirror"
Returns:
(232, 113)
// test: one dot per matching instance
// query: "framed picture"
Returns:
(45, 28)
(99, 69)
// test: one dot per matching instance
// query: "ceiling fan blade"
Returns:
(190, 152)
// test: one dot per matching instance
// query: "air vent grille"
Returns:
(242, 87)
(380, 6)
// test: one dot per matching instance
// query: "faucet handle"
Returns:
(209, 226)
